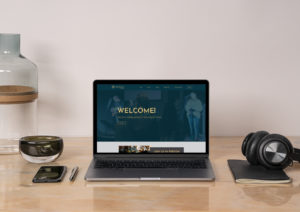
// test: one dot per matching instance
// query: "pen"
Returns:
(74, 173)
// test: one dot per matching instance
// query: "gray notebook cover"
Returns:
(243, 172)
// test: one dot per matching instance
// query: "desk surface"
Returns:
(18, 193)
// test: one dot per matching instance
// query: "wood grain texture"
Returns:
(18, 193)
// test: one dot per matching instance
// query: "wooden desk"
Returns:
(18, 193)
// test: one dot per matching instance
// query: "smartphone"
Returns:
(50, 174)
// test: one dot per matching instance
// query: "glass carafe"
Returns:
(18, 94)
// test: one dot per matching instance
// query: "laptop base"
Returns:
(149, 174)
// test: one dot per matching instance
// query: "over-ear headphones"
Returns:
(272, 151)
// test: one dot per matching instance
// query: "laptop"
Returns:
(150, 130)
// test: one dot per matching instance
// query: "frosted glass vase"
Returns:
(18, 94)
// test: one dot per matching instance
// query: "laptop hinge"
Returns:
(160, 156)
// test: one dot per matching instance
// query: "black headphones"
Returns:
(272, 151)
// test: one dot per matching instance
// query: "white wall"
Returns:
(249, 50)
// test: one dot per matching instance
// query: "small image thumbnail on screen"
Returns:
(134, 149)
(147, 149)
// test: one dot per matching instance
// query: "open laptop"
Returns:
(150, 130)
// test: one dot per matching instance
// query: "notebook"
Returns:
(243, 172)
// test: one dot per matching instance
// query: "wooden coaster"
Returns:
(11, 94)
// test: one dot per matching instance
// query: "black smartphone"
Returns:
(50, 174)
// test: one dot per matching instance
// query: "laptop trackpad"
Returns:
(152, 173)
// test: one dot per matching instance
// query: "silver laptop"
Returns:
(150, 130)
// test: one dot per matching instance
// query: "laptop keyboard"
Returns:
(194, 164)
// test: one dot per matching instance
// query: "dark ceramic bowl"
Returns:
(41, 148)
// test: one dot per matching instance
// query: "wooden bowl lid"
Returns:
(11, 94)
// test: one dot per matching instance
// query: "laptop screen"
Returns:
(150, 118)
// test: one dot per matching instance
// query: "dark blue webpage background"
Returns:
(180, 112)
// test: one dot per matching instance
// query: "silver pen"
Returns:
(74, 173)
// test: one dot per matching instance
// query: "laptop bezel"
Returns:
(97, 82)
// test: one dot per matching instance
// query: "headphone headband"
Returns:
(296, 155)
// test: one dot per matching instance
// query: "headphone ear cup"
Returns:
(252, 144)
(245, 142)
(272, 149)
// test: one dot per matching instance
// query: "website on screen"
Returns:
(151, 118)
